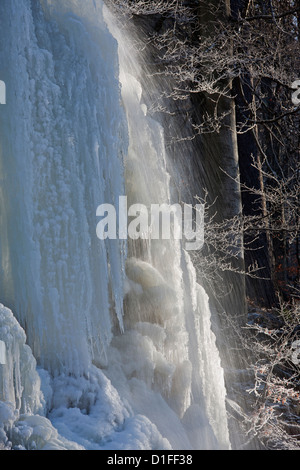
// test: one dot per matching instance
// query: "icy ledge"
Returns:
(85, 412)
(22, 405)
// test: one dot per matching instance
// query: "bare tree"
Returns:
(276, 389)
(235, 63)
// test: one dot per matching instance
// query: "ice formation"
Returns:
(104, 344)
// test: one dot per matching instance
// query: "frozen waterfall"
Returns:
(104, 344)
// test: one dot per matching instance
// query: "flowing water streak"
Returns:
(197, 390)
(145, 377)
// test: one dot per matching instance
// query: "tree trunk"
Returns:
(220, 160)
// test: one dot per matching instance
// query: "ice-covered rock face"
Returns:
(63, 133)
(22, 403)
(109, 346)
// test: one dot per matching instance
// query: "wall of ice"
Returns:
(109, 345)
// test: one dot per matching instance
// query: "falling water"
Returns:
(105, 344)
